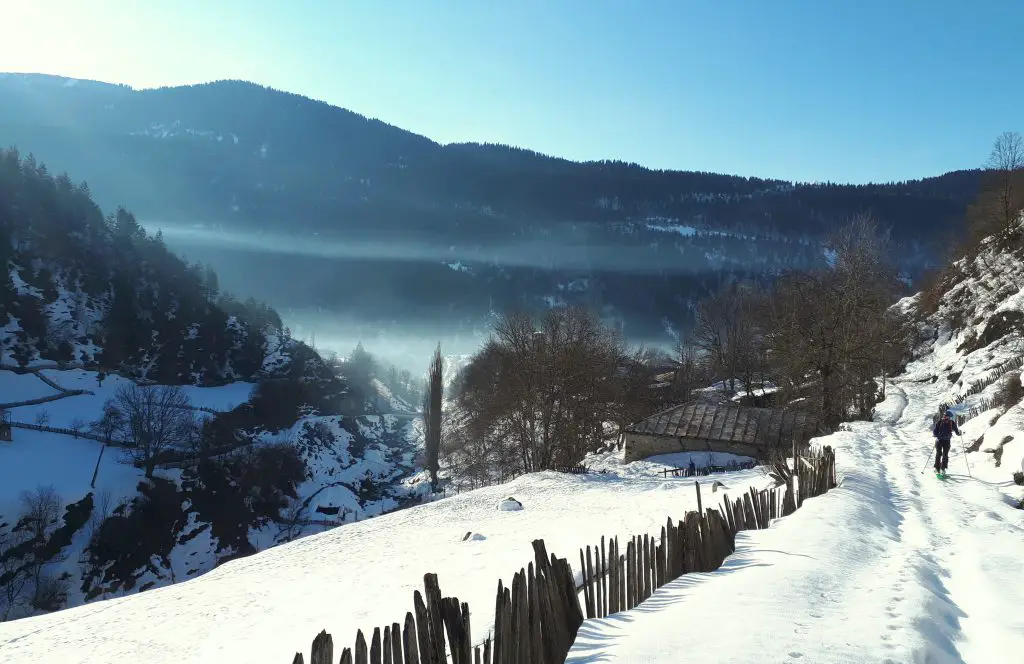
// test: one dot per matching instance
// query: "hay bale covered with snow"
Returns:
(510, 504)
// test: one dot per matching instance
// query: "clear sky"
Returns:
(811, 90)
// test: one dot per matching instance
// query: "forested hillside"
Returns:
(232, 151)
(153, 426)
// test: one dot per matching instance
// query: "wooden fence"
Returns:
(685, 471)
(536, 619)
(64, 394)
(76, 433)
(573, 469)
(977, 387)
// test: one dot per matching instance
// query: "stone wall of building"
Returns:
(641, 446)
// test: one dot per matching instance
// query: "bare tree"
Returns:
(727, 331)
(14, 573)
(690, 373)
(1006, 159)
(635, 397)
(41, 508)
(536, 396)
(154, 419)
(432, 405)
(998, 206)
(832, 328)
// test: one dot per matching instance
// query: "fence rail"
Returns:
(72, 432)
(446, 491)
(977, 387)
(536, 619)
(685, 471)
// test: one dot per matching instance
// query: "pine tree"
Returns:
(432, 414)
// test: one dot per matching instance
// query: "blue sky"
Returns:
(799, 89)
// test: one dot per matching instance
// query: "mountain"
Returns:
(153, 426)
(232, 151)
(891, 553)
(236, 173)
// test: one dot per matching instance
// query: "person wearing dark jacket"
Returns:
(943, 432)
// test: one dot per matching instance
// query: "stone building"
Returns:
(709, 427)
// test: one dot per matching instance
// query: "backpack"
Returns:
(944, 430)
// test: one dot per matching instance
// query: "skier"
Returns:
(943, 432)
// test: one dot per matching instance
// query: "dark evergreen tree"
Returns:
(432, 414)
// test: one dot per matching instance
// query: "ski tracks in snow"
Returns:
(950, 576)
(892, 567)
(966, 543)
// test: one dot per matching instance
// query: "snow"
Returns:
(64, 462)
(86, 408)
(359, 575)
(22, 387)
(510, 504)
(891, 566)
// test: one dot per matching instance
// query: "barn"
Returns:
(711, 427)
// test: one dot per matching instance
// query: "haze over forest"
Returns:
(356, 230)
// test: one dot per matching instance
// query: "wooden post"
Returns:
(499, 620)
(396, 643)
(422, 629)
(362, 657)
(323, 649)
(604, 580)
(375, 647)
(96, 471)
(433, 593)
(410, 640)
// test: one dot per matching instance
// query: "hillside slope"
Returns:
(894, 565)
(99, 325)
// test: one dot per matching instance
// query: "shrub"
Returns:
(1009, 393)
(1018, 478)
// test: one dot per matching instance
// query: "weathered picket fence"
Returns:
(536, 619)
(703, 471)
(455, 490)
(977, 387)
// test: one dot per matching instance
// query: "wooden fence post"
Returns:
(323, 649)
(361, 653)
(410, 640)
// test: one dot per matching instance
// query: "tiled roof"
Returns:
(731, 423)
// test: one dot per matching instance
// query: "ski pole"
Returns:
(964, 450)
(927, 460)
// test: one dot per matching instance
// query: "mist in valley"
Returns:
(335, 294)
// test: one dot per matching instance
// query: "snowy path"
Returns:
(892, 566)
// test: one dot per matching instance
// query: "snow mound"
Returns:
(510, 504)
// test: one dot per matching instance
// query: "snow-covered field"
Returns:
(84, 408)
(363, 575)
(65, 464)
